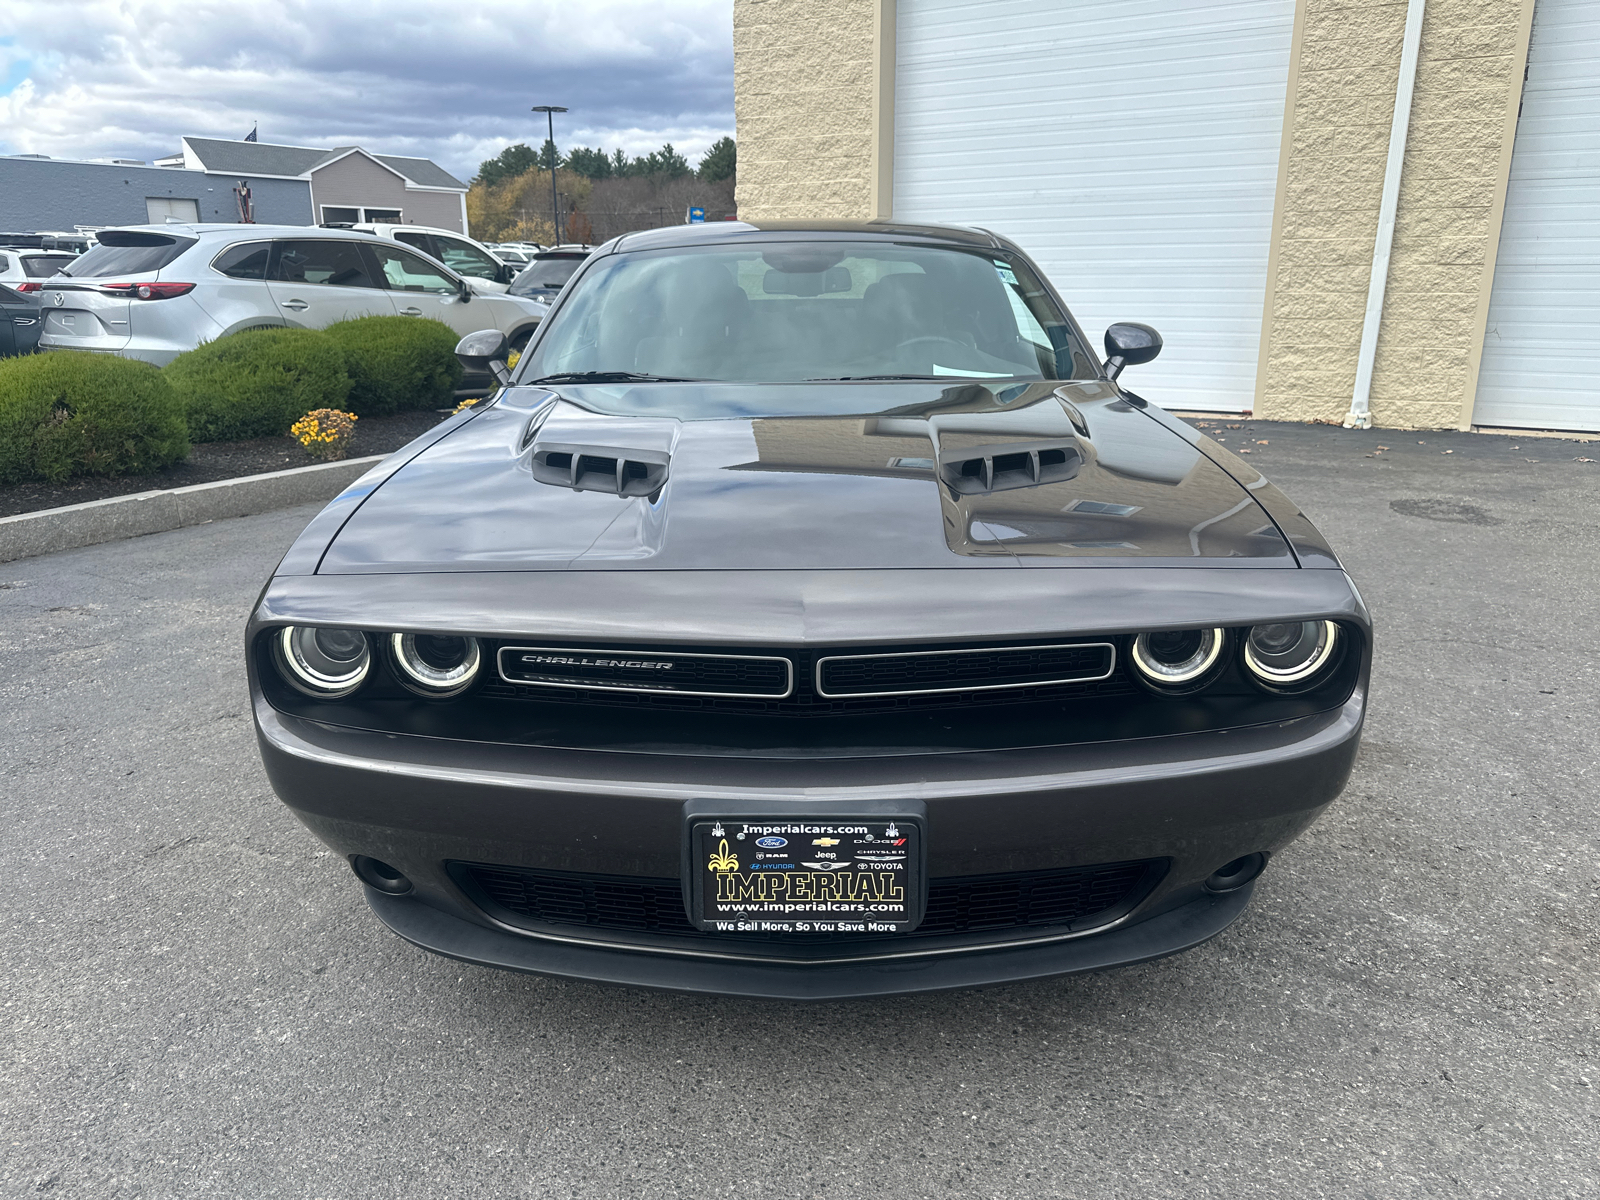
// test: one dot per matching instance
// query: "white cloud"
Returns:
(128, 78)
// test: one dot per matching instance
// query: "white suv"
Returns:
(154, 291)
(472, 260)
(23, 268)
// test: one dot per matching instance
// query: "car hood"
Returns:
(806, 476)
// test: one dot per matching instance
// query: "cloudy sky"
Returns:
(448, 81)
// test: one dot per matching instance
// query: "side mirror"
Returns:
(1128, 345)
(486, 350)
(508, 272)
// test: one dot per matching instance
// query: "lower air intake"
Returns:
(960, 907)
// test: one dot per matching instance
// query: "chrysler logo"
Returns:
(609, 664)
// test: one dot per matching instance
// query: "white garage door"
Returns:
(1541, 348)
(1130, 146)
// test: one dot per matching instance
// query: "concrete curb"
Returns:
(52, 529)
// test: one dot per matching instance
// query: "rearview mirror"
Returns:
(486, 350)
(1128, 344)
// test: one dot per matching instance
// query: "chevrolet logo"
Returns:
(609, 664)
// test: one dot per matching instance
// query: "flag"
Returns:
(251, 136)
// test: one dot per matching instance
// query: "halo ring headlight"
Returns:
(328, 663)
(436, 665)
(1177, 659)
(1290, 653)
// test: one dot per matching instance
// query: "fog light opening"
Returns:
(380, 875)
(1230, 877)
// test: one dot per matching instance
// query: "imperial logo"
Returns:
(609, 664)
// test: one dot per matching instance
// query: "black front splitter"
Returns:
(1170, 933)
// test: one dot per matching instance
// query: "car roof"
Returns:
(243, 233)
(722, 232)
(369, 226)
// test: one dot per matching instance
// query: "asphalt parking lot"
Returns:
(197, 1004)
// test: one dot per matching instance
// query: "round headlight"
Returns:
(1179, 658)
(1291, 652)
(326, 663)
(433, 664)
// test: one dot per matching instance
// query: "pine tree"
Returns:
(508, 164)
(591, 164)
(720, 161)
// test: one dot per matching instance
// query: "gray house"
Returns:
(210, 180)
(347, 183)
(40, 193)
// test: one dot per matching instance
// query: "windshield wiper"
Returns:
(864, 378)
(607, 377)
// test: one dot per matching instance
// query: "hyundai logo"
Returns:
(772, 843)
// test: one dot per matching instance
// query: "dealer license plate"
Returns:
(837, 875)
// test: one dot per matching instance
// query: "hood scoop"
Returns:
(587, 453)
(979, 470)
(600, 468)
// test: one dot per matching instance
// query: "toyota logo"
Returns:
(61, 298)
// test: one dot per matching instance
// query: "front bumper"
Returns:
(1196, 800)
(1171, 932)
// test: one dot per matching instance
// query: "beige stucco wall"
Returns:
(1452, 193)
(814, 103)
(1342, 86)
(807, 97)
(357, 180)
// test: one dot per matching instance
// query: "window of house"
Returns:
(332, 215)
(382, 214)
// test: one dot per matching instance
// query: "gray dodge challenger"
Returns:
(810, 614)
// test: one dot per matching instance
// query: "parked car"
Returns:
(155, 291)
(19, 321)
(813, 614)
(548, 271)
(472, 260)
(25, 268)
(513, 256)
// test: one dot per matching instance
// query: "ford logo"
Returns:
(772, 843)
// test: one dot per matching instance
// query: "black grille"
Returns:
(645, 671)
(975, 904)
(962, 669)
(1004, 671)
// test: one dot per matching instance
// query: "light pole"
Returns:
(550, 110)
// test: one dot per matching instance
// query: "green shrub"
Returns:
(258, 382)
(398, 363)
(68, 413)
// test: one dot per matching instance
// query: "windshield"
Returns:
(546, 273)
(793, 311)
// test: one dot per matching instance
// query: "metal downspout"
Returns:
(1360, 414)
